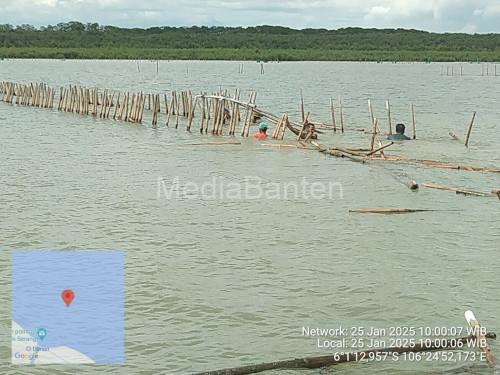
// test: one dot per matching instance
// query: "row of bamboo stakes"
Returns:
(451, 70)
(219, 112)
(34, 95)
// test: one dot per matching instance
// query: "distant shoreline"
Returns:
(75, 40)
(241, 54)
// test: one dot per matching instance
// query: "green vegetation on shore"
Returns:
(75, 40)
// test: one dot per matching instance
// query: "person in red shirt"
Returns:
(262, 134)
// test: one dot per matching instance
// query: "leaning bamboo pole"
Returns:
(469, 130)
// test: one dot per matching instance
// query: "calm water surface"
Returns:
(221, 283)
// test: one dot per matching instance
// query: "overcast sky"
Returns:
(433, 15)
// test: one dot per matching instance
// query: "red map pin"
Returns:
(67, 296)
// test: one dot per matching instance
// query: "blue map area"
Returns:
(93, 324)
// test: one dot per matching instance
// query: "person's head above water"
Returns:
(400, 128)
(262, 127)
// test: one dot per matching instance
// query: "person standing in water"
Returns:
(400, 134)
(262, 134)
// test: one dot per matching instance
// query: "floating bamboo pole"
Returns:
(389, 211)
(457, 190)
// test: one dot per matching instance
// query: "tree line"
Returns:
(260, 40)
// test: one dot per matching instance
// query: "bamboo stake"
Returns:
(302, 112)
(374, 134)
(372, 116)
(191, 114)
(469, 130)
(283, 126)
(117, 106)
(413, 122)
(203, 100)
(142, 106)
(332, 108)
(389, 117)
(126, 108)
(177, 109)
(341, 115)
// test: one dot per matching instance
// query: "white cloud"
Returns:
(434, 15)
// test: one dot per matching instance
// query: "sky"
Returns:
(470, 16)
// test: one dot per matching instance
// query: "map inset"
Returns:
(67, 307)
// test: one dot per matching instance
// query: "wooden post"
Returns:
(177, 109)
(283, 126)
(389, 117)
(413, 122)
(116, 106)
(302, 112)
(469, 130)
(332, 108)
(203, 100)
(191, 114)
(370, 109)
(374, 134)
(341, 115)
